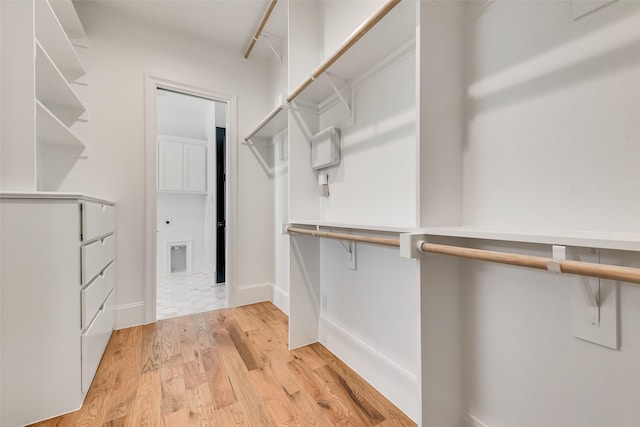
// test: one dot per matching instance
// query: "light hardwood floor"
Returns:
(227, 367)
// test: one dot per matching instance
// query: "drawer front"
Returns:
(96, 256)
(94, 295)
(97, 220)
(95, 340)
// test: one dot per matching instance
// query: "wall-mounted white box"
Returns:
(325, 148)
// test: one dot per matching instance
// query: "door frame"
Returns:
(151, 84)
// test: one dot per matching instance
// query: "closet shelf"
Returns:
(52, 38)
(51, 131)
(376, 39)
(352, 226)
(274, 123)
(588, 239)
(70, 21)
(51, 87)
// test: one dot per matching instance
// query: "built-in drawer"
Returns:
(95, 339)
(96, 256)
(96, 292)
(97, 220)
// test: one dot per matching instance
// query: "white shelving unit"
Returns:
(40, 127)
(51, 131)
(380, 42)
(355, 227)
(52, 89)
(586, 239)
(52, 37)
(68, 18)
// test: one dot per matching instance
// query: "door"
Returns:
(220, 198)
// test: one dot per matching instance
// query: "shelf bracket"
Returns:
(278, 41)
(347, 83)
(589, 295)
(350, 247)
(594, 302)
(301, 122)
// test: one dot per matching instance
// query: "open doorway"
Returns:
(191, 208)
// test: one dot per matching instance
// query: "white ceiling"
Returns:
(227, 23)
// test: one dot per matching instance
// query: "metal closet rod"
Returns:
(345, 46)
(602, 271)
(265, 18)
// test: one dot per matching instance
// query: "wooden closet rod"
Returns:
(603, 271)
(345, 46)
(344, 236)
(264, 121)
(265, 18)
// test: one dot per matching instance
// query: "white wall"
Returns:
(340, 18)
(375, 182)
(552, 136)
(182, 115)
(121, 51)
(552, 125)
(370, 318)
(186, 214)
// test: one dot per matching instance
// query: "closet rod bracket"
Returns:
(277, 41)
(589, 295)
(410, 245)
(347, 83)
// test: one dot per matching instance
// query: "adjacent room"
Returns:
(320, 213)
(190, 202)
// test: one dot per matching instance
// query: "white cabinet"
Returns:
(182, 165)
(195, 168)
(42, 132)
(58, 277)
(170, 167)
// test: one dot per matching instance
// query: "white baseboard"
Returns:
(394, 382)
(251, 294)
(128, 315)
(473, 421)
(281, 299)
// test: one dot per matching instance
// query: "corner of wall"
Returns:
(129, 315)
(251, 294)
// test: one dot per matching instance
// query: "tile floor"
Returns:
(184, 293)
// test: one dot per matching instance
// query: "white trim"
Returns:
(281, 299)
(151, 84)
(473, 421)
(251, 294)
(128, 315)
(397, 384)
(182, 139)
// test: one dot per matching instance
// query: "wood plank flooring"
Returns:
(229, 367)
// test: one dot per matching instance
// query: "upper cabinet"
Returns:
(43, 132)
(182, 165)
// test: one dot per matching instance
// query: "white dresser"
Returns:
(57, 279)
